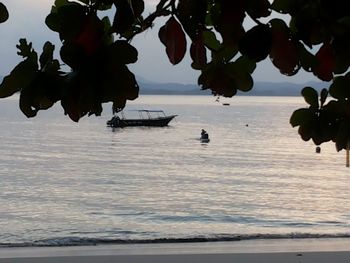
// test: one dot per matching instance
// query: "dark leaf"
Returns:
(122, 52)
(198, 54)
(283, 6)
(242, 79)
(284, 52)
(215, 77)
(26, 50)
(210, 40)
(340, 44)
(73, 55)
(343, 136)
(307, 60)
(137, 7)
(174, 39)
(193, 11)
(258, 8)
(228, 18)
(103, 5)
(119, 105)
(116, 82)
(305, 131)
(77, 99)
(256, 43)
(223, 85)
(192, 14)
(4, 14)
(68, 20)
(47, 56)
(91, 34)
(59, 3)
(323, 97)
(53, 22)
(245, 64)
(21, 76)
(326, 63)
(25, 104)
(108, 38)
(225, 54)
(311, 97)
(53, 67)
(308, 26)
(38, 95)
(126, 13)
(340, 88)
(301, 117)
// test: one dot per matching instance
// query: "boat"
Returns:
(226, 104)
(149, 118)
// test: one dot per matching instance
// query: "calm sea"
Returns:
(63, 183)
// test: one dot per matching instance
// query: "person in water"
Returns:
(204, 134)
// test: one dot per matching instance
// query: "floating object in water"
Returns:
(204, 137)
(152, 118)
(318, 149)
(226, 104)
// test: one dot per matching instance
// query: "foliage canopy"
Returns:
(97, 50)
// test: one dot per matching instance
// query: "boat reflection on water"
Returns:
(150, 118)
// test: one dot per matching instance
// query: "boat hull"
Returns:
(156, 122)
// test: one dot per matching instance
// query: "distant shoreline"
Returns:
(209, 94)
(259, 89)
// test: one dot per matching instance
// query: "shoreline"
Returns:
(272, 251)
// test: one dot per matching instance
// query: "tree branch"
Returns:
(161, 10)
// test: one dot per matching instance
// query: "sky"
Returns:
(27, 20)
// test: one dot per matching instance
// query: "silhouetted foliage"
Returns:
(4, 15)
(313, 37)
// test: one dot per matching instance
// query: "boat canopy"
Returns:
(148, 110)
(148, 113)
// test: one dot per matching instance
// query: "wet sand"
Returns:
(253, 251)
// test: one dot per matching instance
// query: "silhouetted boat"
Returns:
(150, 118)
(226, 104)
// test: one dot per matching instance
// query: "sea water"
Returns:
(66, 183)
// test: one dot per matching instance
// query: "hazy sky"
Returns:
(27, 21)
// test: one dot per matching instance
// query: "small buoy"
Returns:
(318, 149)
(246, 125)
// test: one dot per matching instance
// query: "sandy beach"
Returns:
(269, 251)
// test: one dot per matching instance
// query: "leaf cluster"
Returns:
(98, 63)
(321, 121)
(315, 40)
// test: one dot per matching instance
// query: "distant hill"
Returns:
(259, 89)
(282, 88)
(171, 89)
